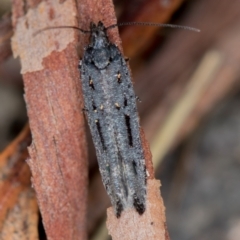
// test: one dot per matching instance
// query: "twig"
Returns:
(5, 37)
(19, 211)
(58, 158)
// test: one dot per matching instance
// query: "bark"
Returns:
(58, 159)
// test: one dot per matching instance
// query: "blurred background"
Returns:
(189, 87)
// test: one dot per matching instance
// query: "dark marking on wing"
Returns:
(129, 131)
(100, 134)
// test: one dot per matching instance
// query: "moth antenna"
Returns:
(153, 24)
(72, 27)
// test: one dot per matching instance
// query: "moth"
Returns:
(110, 106)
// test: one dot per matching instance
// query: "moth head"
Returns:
(98, 37)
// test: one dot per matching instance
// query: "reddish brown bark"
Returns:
(58, 158)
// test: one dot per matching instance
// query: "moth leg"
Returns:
(84, 109)
(138, 98)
